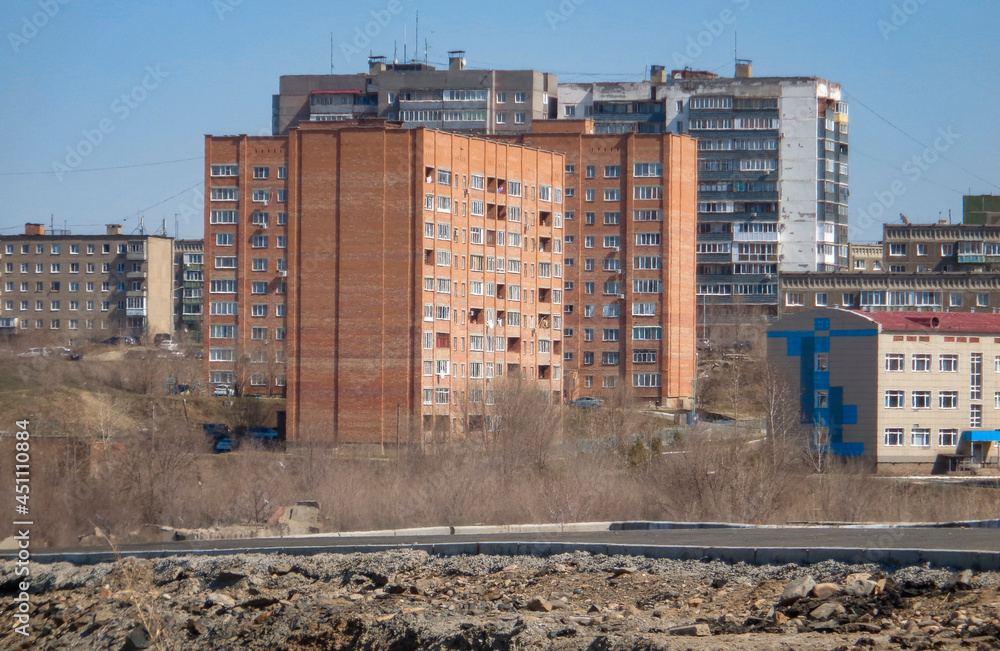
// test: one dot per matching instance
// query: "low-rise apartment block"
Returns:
(86, 286)
(189, 278)
(917, 267)
(419, 95)
(914, 391)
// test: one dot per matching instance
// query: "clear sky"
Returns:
(136, 85)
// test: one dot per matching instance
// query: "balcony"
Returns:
(136, 251)
(135, 292)
(756, 237)
(971, 258)
(136, 275)
(135, 311)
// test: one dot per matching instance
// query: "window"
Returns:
(260, 218)
(920, 437)
(921, 363)
(519, 98)
(261, 172)
(258, 241)
(893, 436)
(612, 194)
(975, 416)
(227, 286)
(947, 437)
(894, 399)
(259, 310)
(223, 308)
(646, 192)
(611, 334)
(647, 333)
(894, 361)
(897, 249)
(225, 262)
(982, 300)
(823, 362)
(976, 376)
(224, 194)
(519, 118)
(643, 309)
(921, 399)
(261, 196)
(223, 217)
(948, 399)
(225, 170)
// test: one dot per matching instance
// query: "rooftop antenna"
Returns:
(404, 43)
(331, 53)
(416, 40)
(395, 59)
(163, 227)
(425, 51)
(52, 222)
(736, 48)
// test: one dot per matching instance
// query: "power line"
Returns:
(100, 169)
(854, 98)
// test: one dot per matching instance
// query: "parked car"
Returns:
(587, 402)
(120, 341)
(34, 352)
(223, 390)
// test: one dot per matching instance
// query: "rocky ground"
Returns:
(408, 600)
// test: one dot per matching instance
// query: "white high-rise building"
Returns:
(772, 168)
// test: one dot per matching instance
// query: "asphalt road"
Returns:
(804, 537)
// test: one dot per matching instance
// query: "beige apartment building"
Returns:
(909, 391)
(86, 287)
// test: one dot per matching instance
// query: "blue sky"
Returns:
(106, 84)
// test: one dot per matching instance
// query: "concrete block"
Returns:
(732, 554)
(423, 531)
(781, 555)
(453, 549)
(842, 554)
(580, 527)
(958, 559)
(498, 548)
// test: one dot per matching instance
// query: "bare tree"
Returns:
(523, 424)
(779, 402)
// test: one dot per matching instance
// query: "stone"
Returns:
(619, 571)
(828, 625)
(694, 603)
(857, 576)
(796, 590)
(860, 588)
(961, 580)
(103, 616)
(825, 590)
(539, 605)
(219, 599)
(138, 638)
(827, 611)
(196, 627)
(697, 630)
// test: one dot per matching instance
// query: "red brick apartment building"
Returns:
(630, 212)
(418, 267)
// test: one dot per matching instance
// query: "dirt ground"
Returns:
(409, 600)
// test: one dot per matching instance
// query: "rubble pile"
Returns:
(406, 599)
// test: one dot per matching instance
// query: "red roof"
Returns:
(970, 322)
